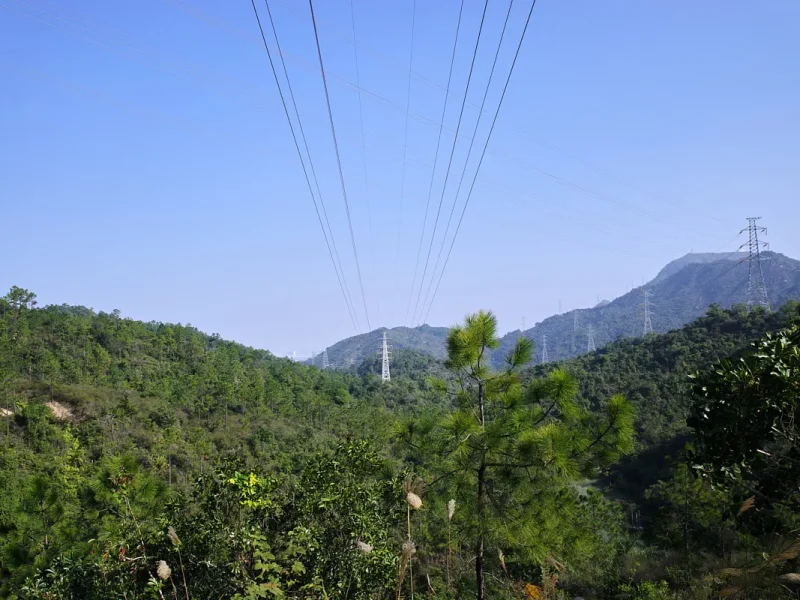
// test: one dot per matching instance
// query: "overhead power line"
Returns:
(138, 52)
(435, 159)
(469, 150)
(483, 155)
(339, 161)
(350, 309)
(452, 154)
(396, 64)
(308, 153)
(363, 149)
(405, 135)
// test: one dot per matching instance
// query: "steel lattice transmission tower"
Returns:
(325, 363)
(385, 356)
(648, 326)
(575, 322)
(545, 357)
(590, 347)
(756, 286)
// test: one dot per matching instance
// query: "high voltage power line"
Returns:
(363, 149)
(553, 148)
(469, 150)
(198, 13)
(348, 302)
(483, 154)
(435, 158)
(222, 25)
(426, 305)
(308, 152)
(405, 135)
(338, 160)
(452, 154)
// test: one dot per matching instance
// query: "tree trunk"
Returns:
(479, 576)
(480, 580)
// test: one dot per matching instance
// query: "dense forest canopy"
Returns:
(148, 460)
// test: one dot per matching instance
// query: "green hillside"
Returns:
(653, 371)
(127, 444)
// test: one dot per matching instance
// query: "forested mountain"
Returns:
(653, 371)
(148, 460)
(681, 292)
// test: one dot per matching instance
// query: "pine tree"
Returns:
(506, 444)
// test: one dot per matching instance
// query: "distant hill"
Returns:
(653, 372)
(354, 350)
(695, 258)
(680, 293)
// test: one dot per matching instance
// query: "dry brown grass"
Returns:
(60, 411)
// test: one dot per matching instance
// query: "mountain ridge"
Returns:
(681, 292)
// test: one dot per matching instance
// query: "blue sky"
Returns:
(147, 164)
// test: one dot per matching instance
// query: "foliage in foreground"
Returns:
(507, 448)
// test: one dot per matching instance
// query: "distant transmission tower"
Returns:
(574, 331)
(523, 324)
(590, 342)
(325, 363)
(385, 355)
(545, 357)
(756, 286)
(648, 326)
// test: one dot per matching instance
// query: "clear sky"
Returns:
(147, 164)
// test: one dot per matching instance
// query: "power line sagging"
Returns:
(338, 160)
(756, 285)
(450, 160)
(473, 139)
(480, 160)
(435, 161)
(330, 244)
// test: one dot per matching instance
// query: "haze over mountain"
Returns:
(680, 293)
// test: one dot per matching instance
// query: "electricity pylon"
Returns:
(545, 357)
(385, 355)
(574, 331)
(325, 363)
(648, 326)
(756, 286)
(590, 342)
